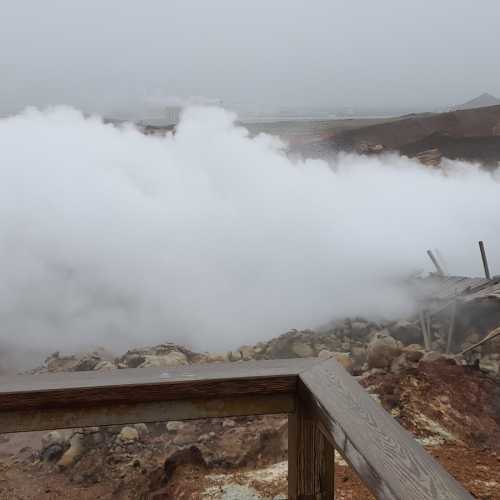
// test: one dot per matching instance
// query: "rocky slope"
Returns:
(450, 404)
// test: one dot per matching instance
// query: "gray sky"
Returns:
(117, 55)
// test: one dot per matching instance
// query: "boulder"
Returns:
(405, 361)
(490, 364)
(382, 350)
(128, 435)
(173, 358)
(433, 356)
(358, 354)
(105, 365)
(235, 356)
(247, 352)
(414, 352)
(74, 452)
(302, 349)
(217, 357)
(53, 437)
(174, 426)
(142, 429)
(406, 332)
(52, 453)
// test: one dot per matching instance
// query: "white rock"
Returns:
(105, 365)
(173, 358)
(302, 349)
(142, 429)
(235, 356)
(174, 426)
(128, 435)
(247, 352)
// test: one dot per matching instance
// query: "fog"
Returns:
(211, 238)
(113, 57)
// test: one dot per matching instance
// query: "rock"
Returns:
(247, 352)
(52, 453)
(174, 426)
(74, 452)
(204, 437)
(173, 358)
(490, 365)
(57, 363)
(105, 365)
(430, 157)
(414, 352)
(217, 357)
(187, 436)
(406, 332)
(358, 354)
(142, 429)
(302, 350)
(128, 435)
(405, 361)
(53, 437)
(87, 363)
(235, 356)
(433, 356)
(382, 350)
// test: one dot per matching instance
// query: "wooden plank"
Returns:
(485, 260)
(218, 380)
(452, 326)
(385, 456)
(493, 334)
(425, 333)
(311, 458)
(162, 411)
(436, 263)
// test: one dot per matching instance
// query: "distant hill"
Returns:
(469, 134)
(482, 101)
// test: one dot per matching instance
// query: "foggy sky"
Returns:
(116, 55)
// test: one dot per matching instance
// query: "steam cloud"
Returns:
(212, 238)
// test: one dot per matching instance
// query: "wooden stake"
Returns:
(485, 260)
(427, 343)
(494, 333)
(435, 262)
(452, 326)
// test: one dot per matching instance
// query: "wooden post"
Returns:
(425, 334)
(452, 326)
(311, 459)
(485, 260)
(439, 269)
(442, 261)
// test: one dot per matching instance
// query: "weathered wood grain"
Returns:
(133, 413)
(387, 458)
(311, 459)
(218, 380)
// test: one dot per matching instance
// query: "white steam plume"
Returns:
(211, 238)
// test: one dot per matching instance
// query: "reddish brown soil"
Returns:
(478, 471)
(463, 400)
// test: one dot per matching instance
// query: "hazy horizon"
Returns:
(127, 58)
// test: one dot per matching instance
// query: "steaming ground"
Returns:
(211, 238)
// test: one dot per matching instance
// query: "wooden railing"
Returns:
(327, 409)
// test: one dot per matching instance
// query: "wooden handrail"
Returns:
(327, 408)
